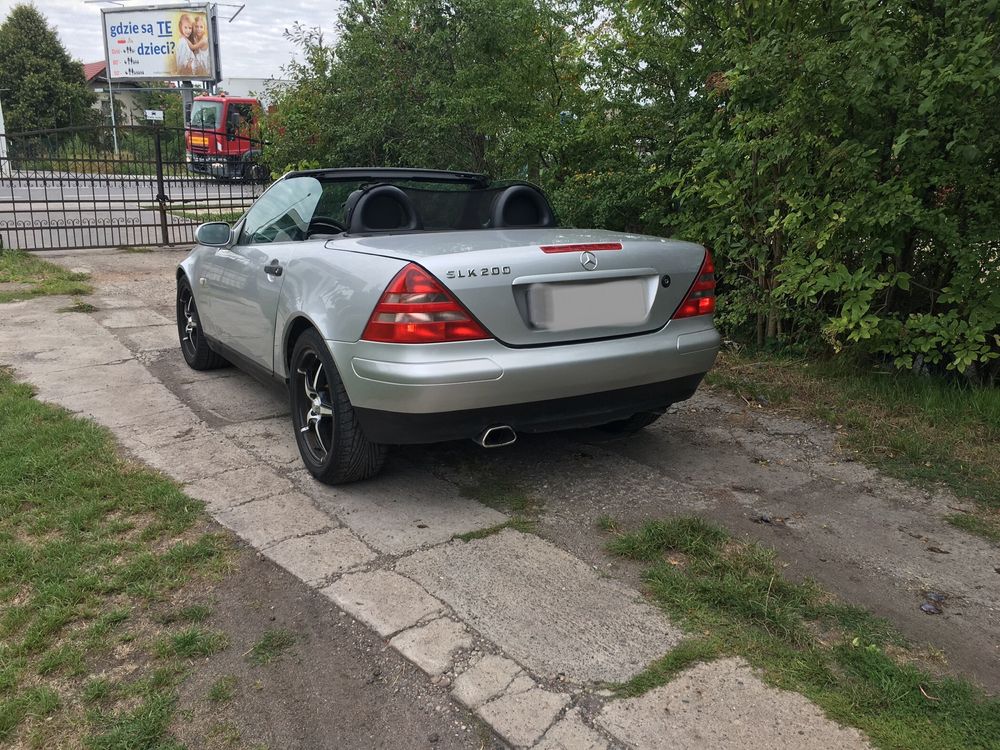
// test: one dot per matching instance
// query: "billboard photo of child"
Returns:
(191, 51)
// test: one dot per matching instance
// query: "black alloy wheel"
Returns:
(330, 439)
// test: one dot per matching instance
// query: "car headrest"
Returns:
(521, 206)
(380, 208)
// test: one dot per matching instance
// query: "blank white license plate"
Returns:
(563, 307)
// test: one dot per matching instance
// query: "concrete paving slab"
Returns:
(150, 339)
(221, 491)
(385, 601)
(523, 718)
(198, 455)
(545, 608)
(723, 705)
(85, 350)
(317, 557)
(570, 733)
(126, 405)
(270, 439)
(264, 522)
(239, 398)
(484, 680)
(433, 646)
(135, 317)
(68, 383)
(404, 509)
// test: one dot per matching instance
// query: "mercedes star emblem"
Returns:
(588, 260)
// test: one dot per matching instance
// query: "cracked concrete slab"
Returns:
(522, 718)
(264, 522)
(723, 705)
(221, 491)
(316, 557)
(150, 339)
(571, 733)
(432, 647)
(484, 680)
(403, 510)
(385, 601)
(235, 399)
(546, 608)
(131, 317)
(270, 439)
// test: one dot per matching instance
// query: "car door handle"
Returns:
(273, 268)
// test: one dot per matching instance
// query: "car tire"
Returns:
(632, 424)
(194, 346)
(331, 442)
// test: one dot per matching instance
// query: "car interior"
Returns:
(385, 207)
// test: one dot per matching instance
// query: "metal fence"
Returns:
(127, 186)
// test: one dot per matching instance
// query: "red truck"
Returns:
(223, 138)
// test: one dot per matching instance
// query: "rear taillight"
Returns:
(701, 299)
(416, 309)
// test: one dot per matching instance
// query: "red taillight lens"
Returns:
(700, 299)
(416, 309)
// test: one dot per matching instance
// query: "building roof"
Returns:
(93, 70)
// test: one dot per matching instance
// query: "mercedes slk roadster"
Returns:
(415, 306)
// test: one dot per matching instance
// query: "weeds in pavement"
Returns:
(43, 278)
(855, 666)
(919, 429)
(93, 551)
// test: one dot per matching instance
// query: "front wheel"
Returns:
(331, 442)
(194, 346)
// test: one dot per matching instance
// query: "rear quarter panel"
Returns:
(334, 290)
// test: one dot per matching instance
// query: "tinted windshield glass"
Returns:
(206, 114)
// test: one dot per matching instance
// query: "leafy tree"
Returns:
(42, 87)
(470, 84)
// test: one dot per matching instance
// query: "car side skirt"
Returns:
(396, 428)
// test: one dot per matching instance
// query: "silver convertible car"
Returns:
(416, 306)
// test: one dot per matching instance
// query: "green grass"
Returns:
(518, 523)
(203, 216)
(732, 596)
(91, 549)
(78, 306)
(272, 645)
(45, 278)
(923, 430)
(222, 689)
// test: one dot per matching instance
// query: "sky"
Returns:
(252, 46)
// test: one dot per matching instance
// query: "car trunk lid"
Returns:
(543, 286)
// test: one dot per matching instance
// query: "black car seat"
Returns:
(521, 206)
(380, 208)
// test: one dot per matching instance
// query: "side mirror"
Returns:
(214, 234)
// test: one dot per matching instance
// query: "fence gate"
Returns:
(121, 187)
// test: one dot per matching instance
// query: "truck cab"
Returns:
(222, 138)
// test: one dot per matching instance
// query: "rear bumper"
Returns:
(475, 383)
(539, 416)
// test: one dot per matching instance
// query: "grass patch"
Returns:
(91, 549)
(78, 306)
(222, 689)
(40, 277)
(272, 645)
(918, 429)
(853, 665)
(191, 643)
(203, 216)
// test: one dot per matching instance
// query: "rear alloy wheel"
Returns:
(194, 346)
(632, 424)
(331, 442)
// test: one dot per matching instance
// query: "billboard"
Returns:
(161, 43)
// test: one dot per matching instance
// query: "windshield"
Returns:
(206, 115)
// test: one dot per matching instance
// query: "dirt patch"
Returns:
(337, 685)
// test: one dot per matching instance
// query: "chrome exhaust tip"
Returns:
(497, 437)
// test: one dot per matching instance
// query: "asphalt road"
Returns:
(49, 210)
